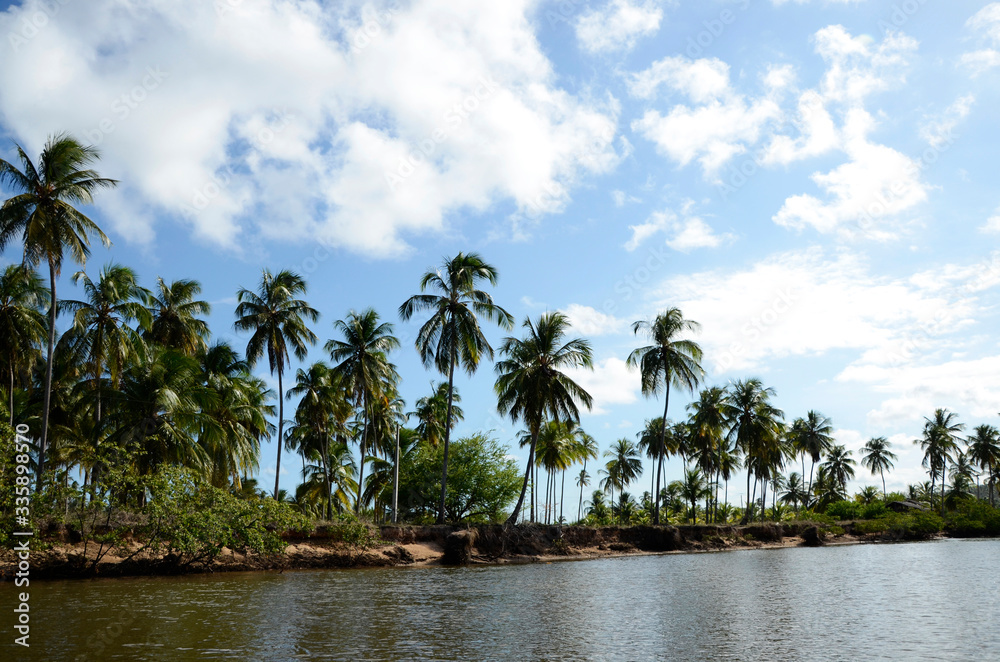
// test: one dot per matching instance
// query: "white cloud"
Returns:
(621, 198)
(288, 121)
(808, 303)
(609, 383)
(588, 321)
(937, 131)
(685, 232)
(985, 22)
(619, 25)
(721, 124)
(778, 3)
(992, 224)
(864, 195)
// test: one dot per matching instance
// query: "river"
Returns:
(918, 601)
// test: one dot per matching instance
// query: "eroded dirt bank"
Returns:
(417, 546)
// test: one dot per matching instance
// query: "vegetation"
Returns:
(142, 425)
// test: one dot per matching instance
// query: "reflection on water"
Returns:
(926, 601)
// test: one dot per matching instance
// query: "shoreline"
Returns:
(435, 546)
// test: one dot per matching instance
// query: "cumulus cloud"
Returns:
(985, 23)
(685, 231)
(609, 383)
(588, 321)
(618, 25)
(938, 131)
(720, 124)
(356, 124)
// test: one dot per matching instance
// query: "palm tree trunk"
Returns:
(882, 473)
(281, 424)
(48, 377)
(812, 466)
(364, 444)
(395, 481)
(447, 429)
(534, 490)
(746, 515)
(524, 487)
(326, 477)
(12, 394)
(661, 451)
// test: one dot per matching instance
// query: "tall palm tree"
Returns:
(22, 323)
(812, 436)
(794, 491)
(174, 311)
(624, 464)
(668, 360)
(364, 367)
(840, 466)
(939, 445)
(42, 214)
(431, 412)
(984, 451)
(878, 457)
(532, 386)
(277, 320)
(583, 482)
(657, 445)
(707, 424)
(756, 430)
(452, 336)
(694, 487)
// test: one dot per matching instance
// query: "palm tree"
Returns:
(840, 466)
(624, 464)
(432, 411)
(756, 431)
(174, 322)
(22, 324)
(43, 215)
(278, 322)
(532, 386)
(452, 335)
(707, 425)
(364, 367)
(984, 451)
(669, 360)
(554, 452)
(794, 491)
(583, 482)
(878, 457)
(939, 443)
(812, 436)
(694, 487)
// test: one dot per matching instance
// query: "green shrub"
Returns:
(973, 519)
(873, 510)
(870, 526)
(841, 510)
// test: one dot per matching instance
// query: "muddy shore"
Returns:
(421, 546)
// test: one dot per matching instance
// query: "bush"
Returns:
(973, 519)
(873, 510)
(841, 510)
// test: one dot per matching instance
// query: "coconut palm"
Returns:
(431, 413)
(41, 213)
(174, 311)
(277, 320)
(452, 336)
(583, 482)
(653, 442)
(22, 324)
(694, 487)
(624, 465)
(812, 436)
(707, 424)
(555, 451)
(365, 370)
(840, 466)
(756, 431)
(531, 385)
(939, 445)
(668, 360)
(984, 451)
(878, 457)
(794, 491)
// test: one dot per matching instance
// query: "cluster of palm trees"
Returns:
(136, 380)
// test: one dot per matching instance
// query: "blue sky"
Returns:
(812, 181)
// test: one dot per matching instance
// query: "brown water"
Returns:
(923, 601)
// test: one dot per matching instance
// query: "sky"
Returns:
(811, 181)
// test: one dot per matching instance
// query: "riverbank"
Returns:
(421, 546)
